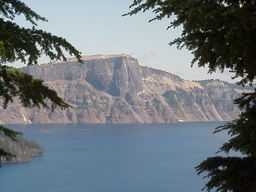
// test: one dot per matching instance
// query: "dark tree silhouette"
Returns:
(221, 34)
(27, 45)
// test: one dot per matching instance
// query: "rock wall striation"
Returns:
(115, 89)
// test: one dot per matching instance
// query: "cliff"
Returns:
(23, 149)
(115, 89)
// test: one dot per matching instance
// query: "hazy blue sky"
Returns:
(97, 27)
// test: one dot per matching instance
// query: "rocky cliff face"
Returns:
(22, 149)
(115, 89)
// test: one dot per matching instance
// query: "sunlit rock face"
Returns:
(115, 89)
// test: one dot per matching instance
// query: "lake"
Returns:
(114, 158)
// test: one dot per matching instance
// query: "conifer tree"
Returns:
(26, 45)
(221, 34)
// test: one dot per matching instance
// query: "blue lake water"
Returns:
(114, 158)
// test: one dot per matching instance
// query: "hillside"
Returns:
(23, 149)
(115, 89)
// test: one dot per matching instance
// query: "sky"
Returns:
(98, 27)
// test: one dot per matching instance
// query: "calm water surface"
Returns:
(114, 158)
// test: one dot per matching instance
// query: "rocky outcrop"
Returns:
(115, 89)
(23, 150)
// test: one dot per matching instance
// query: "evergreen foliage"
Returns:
(221, 34)
(26, 45)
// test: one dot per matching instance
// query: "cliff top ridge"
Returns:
(93, 57)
